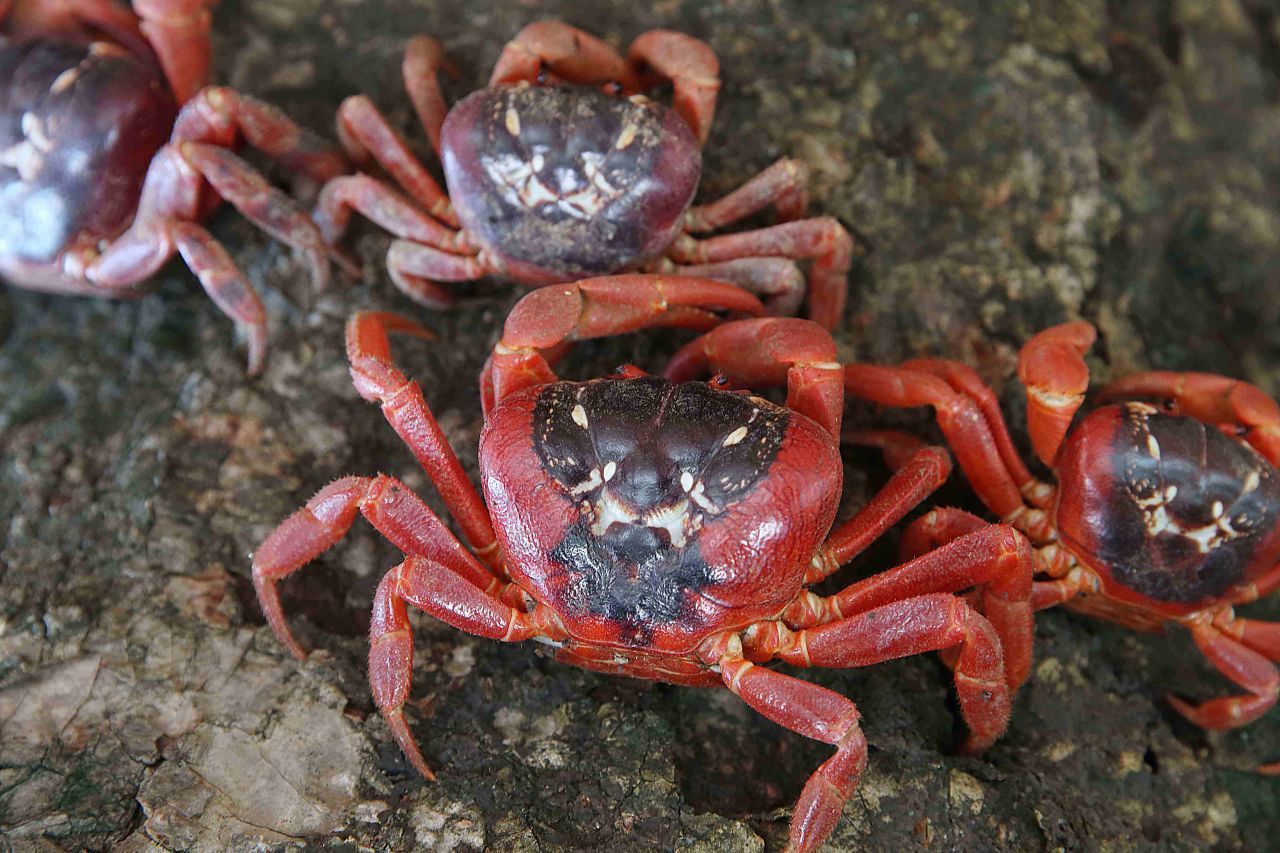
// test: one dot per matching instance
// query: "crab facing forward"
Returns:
(560, 170)
(1160, 515)
(666, 528)
(103, 177)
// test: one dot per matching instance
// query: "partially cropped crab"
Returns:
(1160, 515)
(92, 199)
(665, 528)
(560, 170)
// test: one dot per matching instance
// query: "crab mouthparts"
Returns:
(674, 519)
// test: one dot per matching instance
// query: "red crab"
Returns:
(1159, 516)
(559, 170)
(665, 528)
(92, 199)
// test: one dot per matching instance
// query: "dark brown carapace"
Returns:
(110, 157)
(586, 184)
(666, 528)
(561, 169)
(1158, 516)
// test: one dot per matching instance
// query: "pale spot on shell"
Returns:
(734, 437)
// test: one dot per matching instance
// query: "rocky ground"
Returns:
(1007, 165)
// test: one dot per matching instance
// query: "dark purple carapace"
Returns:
(559, 182)
(79, 125)
(1174, 510)
(658, 501)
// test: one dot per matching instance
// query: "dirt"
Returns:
(1006, 165)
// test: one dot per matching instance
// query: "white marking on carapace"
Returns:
(579, 194)
(674, 519)
(1251, 481)
(579, 416)
(627, 136)
(734, 437)
(610, 469)
(1158, 520)
(698, 495)
(25, 158)
(1153, 446)
(34, 130)
(512, 121)
(686, 480)
(65, 80)
(590, 484)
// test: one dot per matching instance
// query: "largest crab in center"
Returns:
(666, 528)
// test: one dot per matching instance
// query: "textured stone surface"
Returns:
(1009, 165)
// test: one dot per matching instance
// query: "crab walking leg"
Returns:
(366, 134)
(171, 191)
(1242, 665)
(423, 60)
(771, 351)
(164, 223)
(692, 68)
(816, 713)
(178, 30)
(918, 470)
(965, 380)
(912, 626)
(393, 510)
(385, 207)
(945, 524)
(377, 379)
(570, 54)
(785, 185)
(221, 117)
(1051, 367)
(823, 240)
(225, 284)
(777, 282)
(416, 271)
(1212, 399)
(442, 592)
(967, 432)
(547, 318)
(997, 558)
(1262, 637)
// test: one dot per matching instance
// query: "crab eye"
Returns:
(613, 87)
(720, 380)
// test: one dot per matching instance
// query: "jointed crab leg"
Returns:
(366, 135)
(824, 241)
(965, 380)
(1242, 665)
(393, 510)
(548, 318)
(918, 470)
(967, 430)
(178, 30)
(1051, 367)
(567, 52)
(692, 68)
(451, 597)
(785, 185)
(379, 380)
(912, 626)
(816, 713)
